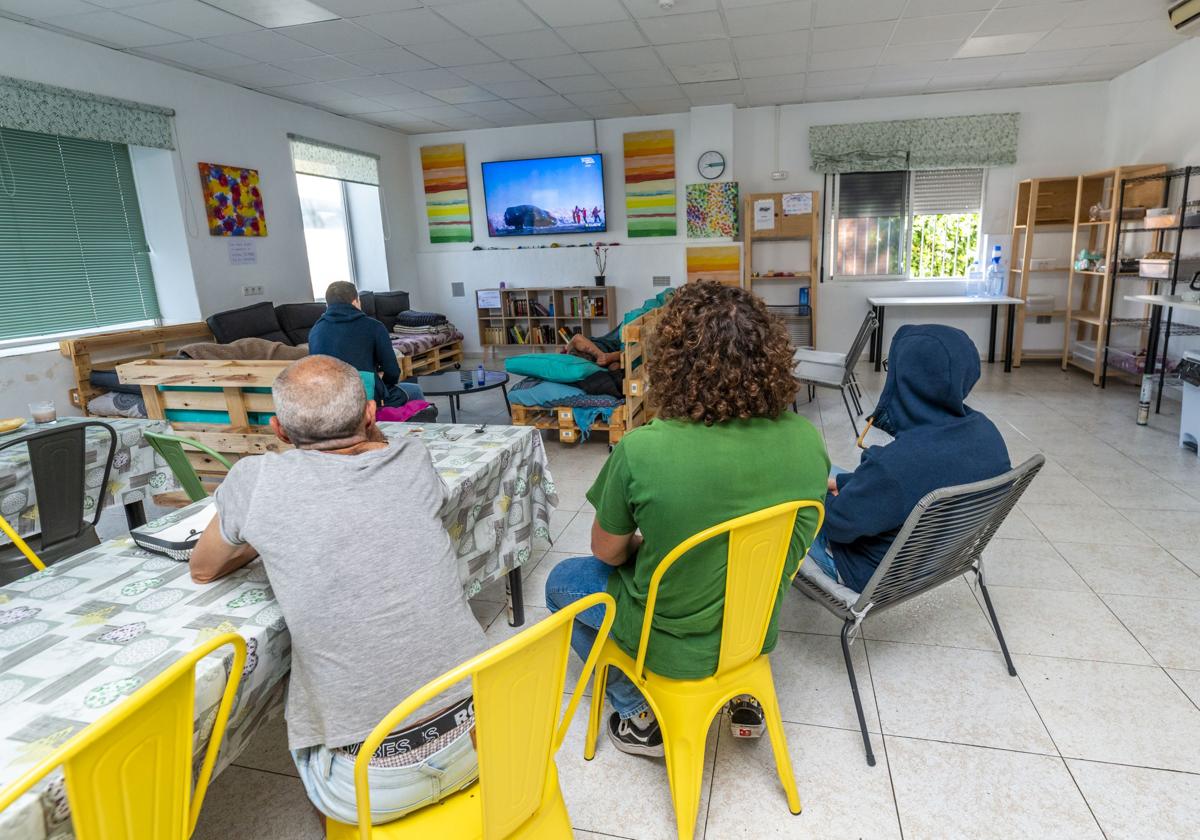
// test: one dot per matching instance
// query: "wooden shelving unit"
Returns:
(1042, 205)
(537, 315)
(1087, 321)
(802, 324)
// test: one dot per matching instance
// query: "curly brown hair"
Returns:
(718, 354)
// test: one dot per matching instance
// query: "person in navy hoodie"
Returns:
(347, 333)
(939, 441)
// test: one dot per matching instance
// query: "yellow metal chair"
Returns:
(758, 546)
(129, 773)
(518, 687)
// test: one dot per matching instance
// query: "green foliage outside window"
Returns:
(943, 244)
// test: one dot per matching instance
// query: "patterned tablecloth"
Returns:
(89, 630)
(137, 471)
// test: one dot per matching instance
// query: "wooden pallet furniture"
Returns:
(110, 349)
(232, 396)
(588, 310)
(777, 286)
(432, 360)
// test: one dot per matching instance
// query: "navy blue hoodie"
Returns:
(939, 442)
(347, 333)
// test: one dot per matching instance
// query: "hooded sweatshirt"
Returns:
(347, 333)
(939, 442)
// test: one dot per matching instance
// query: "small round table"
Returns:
(454, 383)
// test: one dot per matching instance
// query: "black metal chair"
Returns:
(943, 538)
(58, 461)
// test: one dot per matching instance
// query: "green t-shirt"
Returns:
(671, 479)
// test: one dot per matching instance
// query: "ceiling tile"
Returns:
(951, 83)
(427, 79)
(940, 28)
(45, 9)
(540, 104)
(778, 66)
(828, 78)
(117, 4)
(612, 112)
(643, 9)
(865, 57)
(275, 13)
(439, 113)
(493, 109)
(766, 84)
(783, 96)
(359, 8)
(835, 93)
(1093, 73)
(466, 122)
(976, 66)
(679, 28)
(565, 115)
(517, 90)
(776, 17)
(404, 121)
(415, 26)
(393, 60)
(1086, 36)
(655, 93)
(908, 53)
(642, 58)
(927, 8)
(1020, 78)
(408, 99)
(461, 95)
(325, 68)
(556, 13)
(640, 78)
(195, 54)
(310, 92)
(1054, 58)
(501, 71)
(664, 106)
(707, 89)
(923, 70)
(490, 17)
(719, 71)
(999, 44)
(766, 46)
(1100, 12)
(372, 86)
(596, 97)
(1040, 18)
(335, 36)
(835, 12)
(579, 84)
(602, 36)
(852, 36)
(1133, 54)
(555, 66)
(897, 87)
(742, 4)
(350, 105)
(1150, 30)
(451, 53)
(537, 44)
(258, 75)
(191, 18)
(264, 46)
(708, 52)
(116, 30)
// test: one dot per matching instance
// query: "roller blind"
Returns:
(947, 191)
(315, 157)
(73, 253)
(872, 194)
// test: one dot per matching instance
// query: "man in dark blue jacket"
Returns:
(939, 442)
(347, 333)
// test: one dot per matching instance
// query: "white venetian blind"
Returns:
(947, 191)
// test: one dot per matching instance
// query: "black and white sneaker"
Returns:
(746, 718)
(638, 735)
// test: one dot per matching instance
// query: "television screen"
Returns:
(545, 195)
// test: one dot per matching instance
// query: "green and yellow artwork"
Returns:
(447, 204)
(650, 183)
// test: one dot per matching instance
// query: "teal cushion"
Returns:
(553, 367)
(544, 394)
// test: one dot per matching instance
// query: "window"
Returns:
(326, 231)
(73, 253)
(900, 225)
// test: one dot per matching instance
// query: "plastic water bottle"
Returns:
(480, 376)
(994, 282)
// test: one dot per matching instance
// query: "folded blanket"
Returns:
(436, 328)
(401, 413)
(585, 417)
(412, 318)
(409, 345)
(244, 349)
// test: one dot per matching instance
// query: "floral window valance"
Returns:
(975, 141)
(46, 109)
(316, 157)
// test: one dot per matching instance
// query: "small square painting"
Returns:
(232, 200)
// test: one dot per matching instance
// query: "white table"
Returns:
(879, 304)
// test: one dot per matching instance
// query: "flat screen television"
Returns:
(553, 195)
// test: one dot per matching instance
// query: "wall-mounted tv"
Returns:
(545, 195)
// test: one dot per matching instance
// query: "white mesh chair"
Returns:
(823, 369)
(942, 538)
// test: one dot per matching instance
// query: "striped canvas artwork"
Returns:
(722, 263)
(650, 183)
(447, 205)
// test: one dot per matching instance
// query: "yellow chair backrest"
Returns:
(758, 547)
(128, 774)
(518, 688)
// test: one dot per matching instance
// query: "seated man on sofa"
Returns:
(347, 333)
(348, 529)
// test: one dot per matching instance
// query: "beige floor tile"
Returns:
(1149, 492)
(1189, 681)
(559, 520)
(1170, 528)
(812, 685)
(1060, 489)
(572, 492)
(948, 615)
(1018, 526)
(534, 583)
(840, 794)
(954, 791)
(802, 614)
(1075, 625)
(948, 694)
(268, 750)
(265, 806)
(1168, 628)
(1190, 557)
(576, 538)
(1121, 570)
(486, 611)
(1030, 563)
(1084, 523)
(1124, 714)
(1135, 803)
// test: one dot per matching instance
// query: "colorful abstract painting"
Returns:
(712, 210)
(447, 205)
(722, 263)
(650, 183)
(232, 200)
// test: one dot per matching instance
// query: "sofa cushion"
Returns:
(297, 319)
(388, 305)
(255, 321)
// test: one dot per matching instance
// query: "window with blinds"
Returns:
(946, 211)
(73, 254)
(872, 211)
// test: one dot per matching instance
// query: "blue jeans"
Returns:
(575, 578)
(819, 551)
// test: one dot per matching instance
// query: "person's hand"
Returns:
(832, 485)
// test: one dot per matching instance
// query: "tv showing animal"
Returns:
(545, 195)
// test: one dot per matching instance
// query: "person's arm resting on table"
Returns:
(222, 548)
(214, 558)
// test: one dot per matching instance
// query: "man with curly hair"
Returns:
(723, 445)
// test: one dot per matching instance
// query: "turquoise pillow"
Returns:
(553, 367)
(544, 394)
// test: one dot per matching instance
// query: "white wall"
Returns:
(1152, 113)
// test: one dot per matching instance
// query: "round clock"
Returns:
(711, 165)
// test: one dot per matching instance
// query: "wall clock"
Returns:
(711, 165)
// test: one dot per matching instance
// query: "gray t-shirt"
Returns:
(364, 572)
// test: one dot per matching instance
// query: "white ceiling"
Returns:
(431, 65)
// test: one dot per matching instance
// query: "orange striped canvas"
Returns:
(447, 203)
(650, 183)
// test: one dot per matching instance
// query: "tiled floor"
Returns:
(1096, 579)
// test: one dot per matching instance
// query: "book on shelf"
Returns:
(565, 335)
(540, 309)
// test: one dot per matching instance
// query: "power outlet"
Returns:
(252, 291)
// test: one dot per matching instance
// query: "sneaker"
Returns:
(637, 736)
(746, 719)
